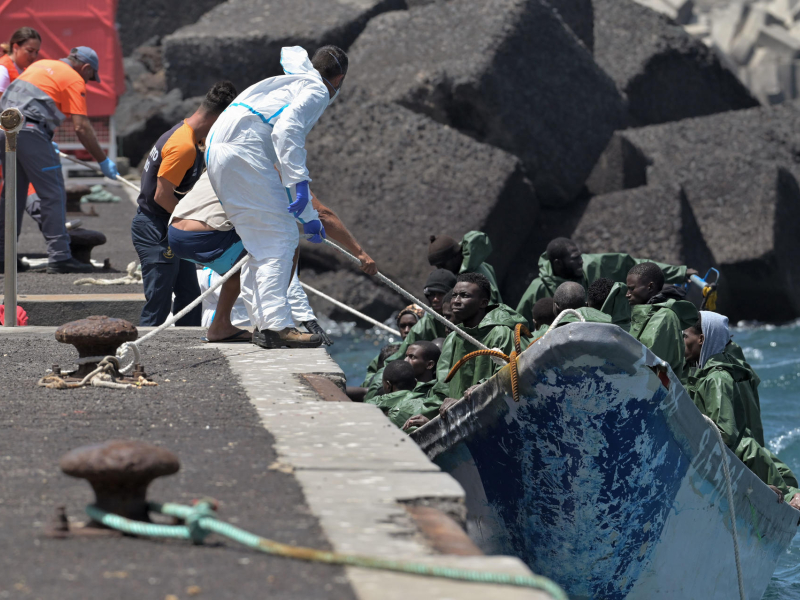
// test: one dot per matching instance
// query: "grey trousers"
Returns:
(38, 164)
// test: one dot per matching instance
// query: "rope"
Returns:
(729, 491)
(344, 306)
(410, 297)
(97, 169)
(134, 346)
(102, 376)
(134, 276)
(520, 330)
(562, 314)
(201, 520)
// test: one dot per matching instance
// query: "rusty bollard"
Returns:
(119, 472)
(96, 336)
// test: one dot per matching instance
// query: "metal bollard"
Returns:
(11, 120)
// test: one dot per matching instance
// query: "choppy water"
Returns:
(774, 352)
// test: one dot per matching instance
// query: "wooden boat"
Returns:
(605, 477)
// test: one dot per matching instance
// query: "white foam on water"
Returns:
(784, 440)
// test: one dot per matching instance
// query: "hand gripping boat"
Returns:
(606, 479)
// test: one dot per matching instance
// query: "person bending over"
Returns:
(491, 324)
(467, 256)
(723, 388)
(173, 167)
(658, 325)
(563, 261)
(610, 297)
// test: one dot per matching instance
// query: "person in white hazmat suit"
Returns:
(267, 125)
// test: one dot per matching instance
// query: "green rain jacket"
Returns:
(425, 399)
(427, 328)
(591, 315)
(613, 266)
(372, 368)
(617, 306)
(476, 248)
(496, 330)
(660, 328)
(725, 391)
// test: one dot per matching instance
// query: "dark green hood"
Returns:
(617, 306)
(686, 312)
(476, 249)
(499, 314)
(592, 315)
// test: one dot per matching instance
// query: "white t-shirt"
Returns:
(202, 204)
(5, 79)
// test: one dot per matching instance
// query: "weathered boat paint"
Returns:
(603, 479)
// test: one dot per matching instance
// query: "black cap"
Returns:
(440, 280)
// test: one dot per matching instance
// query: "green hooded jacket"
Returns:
(427, 328)
(476, 248)
(372, 368)
(617, 306)
(614, 266)
(660, 328)
(723, 390)
(496, 330)
(591, 315)
(425, 399)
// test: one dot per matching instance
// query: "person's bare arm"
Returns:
(87, 137)
(336, 230)
(165, 195)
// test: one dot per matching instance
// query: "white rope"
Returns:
(349, 309)
(134, 346)
(408, 296)
(134, 276)
(562, 314)
(729, 490)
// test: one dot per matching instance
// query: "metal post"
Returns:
(11, 121)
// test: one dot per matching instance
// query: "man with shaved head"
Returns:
(563, 261)
(572, 295)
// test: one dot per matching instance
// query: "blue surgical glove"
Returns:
(109, 169)
(315, 230)
(303, 197)
(55, 146)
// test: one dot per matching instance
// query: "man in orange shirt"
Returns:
(46, 93)
(173, 166)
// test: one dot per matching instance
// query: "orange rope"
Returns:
(512, 365)
(469, 357)
(520, 330)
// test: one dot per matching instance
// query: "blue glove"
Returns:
(315, 230)
(303, 197)
(109, 169)
(55, 146)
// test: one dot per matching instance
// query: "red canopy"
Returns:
(64, 24)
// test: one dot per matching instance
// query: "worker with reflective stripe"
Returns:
(174, 165)
(21, 51)
(46, 93)
(267, 125)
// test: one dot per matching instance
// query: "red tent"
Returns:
(64, 24)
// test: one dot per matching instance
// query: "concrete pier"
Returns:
(251, 430)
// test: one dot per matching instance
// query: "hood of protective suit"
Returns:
(617, 306)
(592, 315)
(686, 311)
(476, 248)
(295, 61)
(726, 361)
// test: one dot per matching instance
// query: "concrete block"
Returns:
(779, 41)
(665, 74)
(57, 309)
(395, 177)
(765, 80)
(477, 66)
(240, 40)
(578, 15)
(725, 22)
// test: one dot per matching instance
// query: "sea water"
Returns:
(774, 352)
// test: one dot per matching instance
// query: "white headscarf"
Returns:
(716, 334)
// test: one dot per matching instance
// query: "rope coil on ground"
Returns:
(102, 376)
(201, 521)
(731, 508)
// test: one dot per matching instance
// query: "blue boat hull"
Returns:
(604, 479)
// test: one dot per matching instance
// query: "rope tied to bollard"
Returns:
(102, 376)
(201, 520)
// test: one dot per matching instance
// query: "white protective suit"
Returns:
(298, 302)
(267, 125)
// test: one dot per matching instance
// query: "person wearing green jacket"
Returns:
(563, 261)
(723, 389)
(543, 317)
(610, 298)
(440, 283)
(658, 322)
(492, 325)
(572, 295)
(467, 256)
